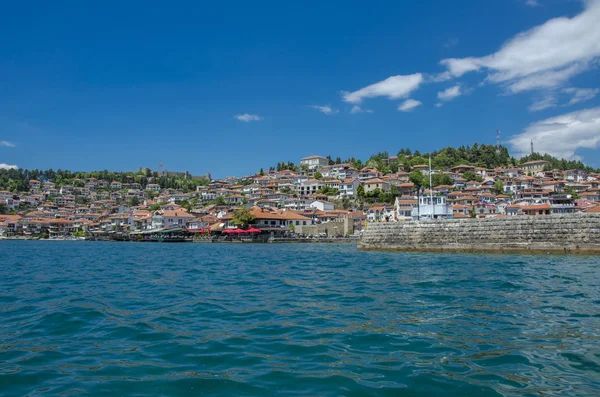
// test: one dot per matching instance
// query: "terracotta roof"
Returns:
(536, 207)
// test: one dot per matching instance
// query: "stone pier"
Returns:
(574, 233)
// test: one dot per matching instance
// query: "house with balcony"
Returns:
(376, 183)
(34, 184)
(59, 227)
(403, 208)
(368, 173)
(170, 218)
(380, 213)
(309, 186)
(406, 189)
(349, 187)
(153, 187)
(314, 162)
(535, 166)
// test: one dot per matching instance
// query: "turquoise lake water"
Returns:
(141, 319)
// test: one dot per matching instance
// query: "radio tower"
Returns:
(497, 140)
(531, 143)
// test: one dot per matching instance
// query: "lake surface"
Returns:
(141, 319)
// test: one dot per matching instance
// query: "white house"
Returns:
(309, 187)
(170, 218)
(349, 187)
(322, 205)
(314, 162)
(153, 187)
(439, 208)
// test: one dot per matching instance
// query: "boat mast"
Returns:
(431, 190)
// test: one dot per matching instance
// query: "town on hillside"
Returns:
(320, 197)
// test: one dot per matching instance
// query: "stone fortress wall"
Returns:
(573, 233)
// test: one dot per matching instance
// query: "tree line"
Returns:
(478, 155)
(17, 180)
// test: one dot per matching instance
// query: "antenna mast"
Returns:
(497, 140)
(531, 143)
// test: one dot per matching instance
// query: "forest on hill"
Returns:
(479, 155)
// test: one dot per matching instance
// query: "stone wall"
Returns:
(578, 233)
(341, 226)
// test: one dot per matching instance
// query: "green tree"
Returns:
(360, 191)
(242, 217)
(329, 191)
(498, 187)
(154, 207)
(441, 179)
(418, 179)
(134, 201)
(471, 176)
(318, 175)
(220, 200)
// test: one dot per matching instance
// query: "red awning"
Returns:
(253, 230)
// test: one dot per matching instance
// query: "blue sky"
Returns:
(130, 85)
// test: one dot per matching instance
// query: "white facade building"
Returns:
(439, 209)
(314, 162)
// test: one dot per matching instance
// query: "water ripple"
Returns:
(158, 319)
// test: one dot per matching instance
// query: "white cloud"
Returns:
(247, 117)
(326, 109)
(544, 103)
(438, 78)
(4, 166)
(549, 79)
(532, 3)
(449, 93)
(7, 144)
(357, 109)
(581, 94)
(562, 135)
(393, 87)
(439, 105)
(555, 51)
(409, 105)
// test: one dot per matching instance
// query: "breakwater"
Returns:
(573, 233)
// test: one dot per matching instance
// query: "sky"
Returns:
(230, 87)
